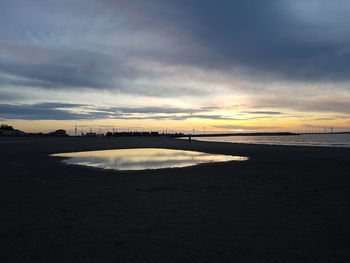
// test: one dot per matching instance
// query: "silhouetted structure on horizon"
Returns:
(59, 133)
(139, 134)
(7, 130)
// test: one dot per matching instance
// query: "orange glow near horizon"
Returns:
(186, 126)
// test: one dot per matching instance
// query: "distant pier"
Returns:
(258, 134)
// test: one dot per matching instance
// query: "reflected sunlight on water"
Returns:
(328, 140)
(144, 158)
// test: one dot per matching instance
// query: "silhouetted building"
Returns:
(12, 133)
(6, 130)
(59, 133)
(125, 134)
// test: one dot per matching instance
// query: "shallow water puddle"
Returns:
(144, 158)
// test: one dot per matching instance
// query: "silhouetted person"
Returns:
(189, 138)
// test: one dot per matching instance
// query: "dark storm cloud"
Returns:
(162, 113)
(171, 117)
(9, 96)
(75, 45)
(160, 110)
(199, 116)
(68, 69)
(44, 112)
(68, 111)
(265, 38)
(57, 105)
(65, 69)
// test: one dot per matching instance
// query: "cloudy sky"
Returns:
(252, 65)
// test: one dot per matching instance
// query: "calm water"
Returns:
(144, 158)
(333, 140)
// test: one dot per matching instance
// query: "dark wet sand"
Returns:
(287, 204)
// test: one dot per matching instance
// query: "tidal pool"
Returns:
(144, 158)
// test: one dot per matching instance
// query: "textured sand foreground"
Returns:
(286, 204)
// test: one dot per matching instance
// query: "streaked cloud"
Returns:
(263, 112)
(69, 111)
(246, 128)
(314, 104)
(43, 112)
(9, 96)
(174, 60)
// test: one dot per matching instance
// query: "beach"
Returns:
(285, 204)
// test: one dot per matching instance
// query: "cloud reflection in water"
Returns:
(144, 158)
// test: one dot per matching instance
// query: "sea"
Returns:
(320, 140)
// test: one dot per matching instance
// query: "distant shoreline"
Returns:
(260, 134)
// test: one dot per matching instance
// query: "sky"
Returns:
(180, 65)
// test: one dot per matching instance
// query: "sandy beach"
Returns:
(286, 204)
